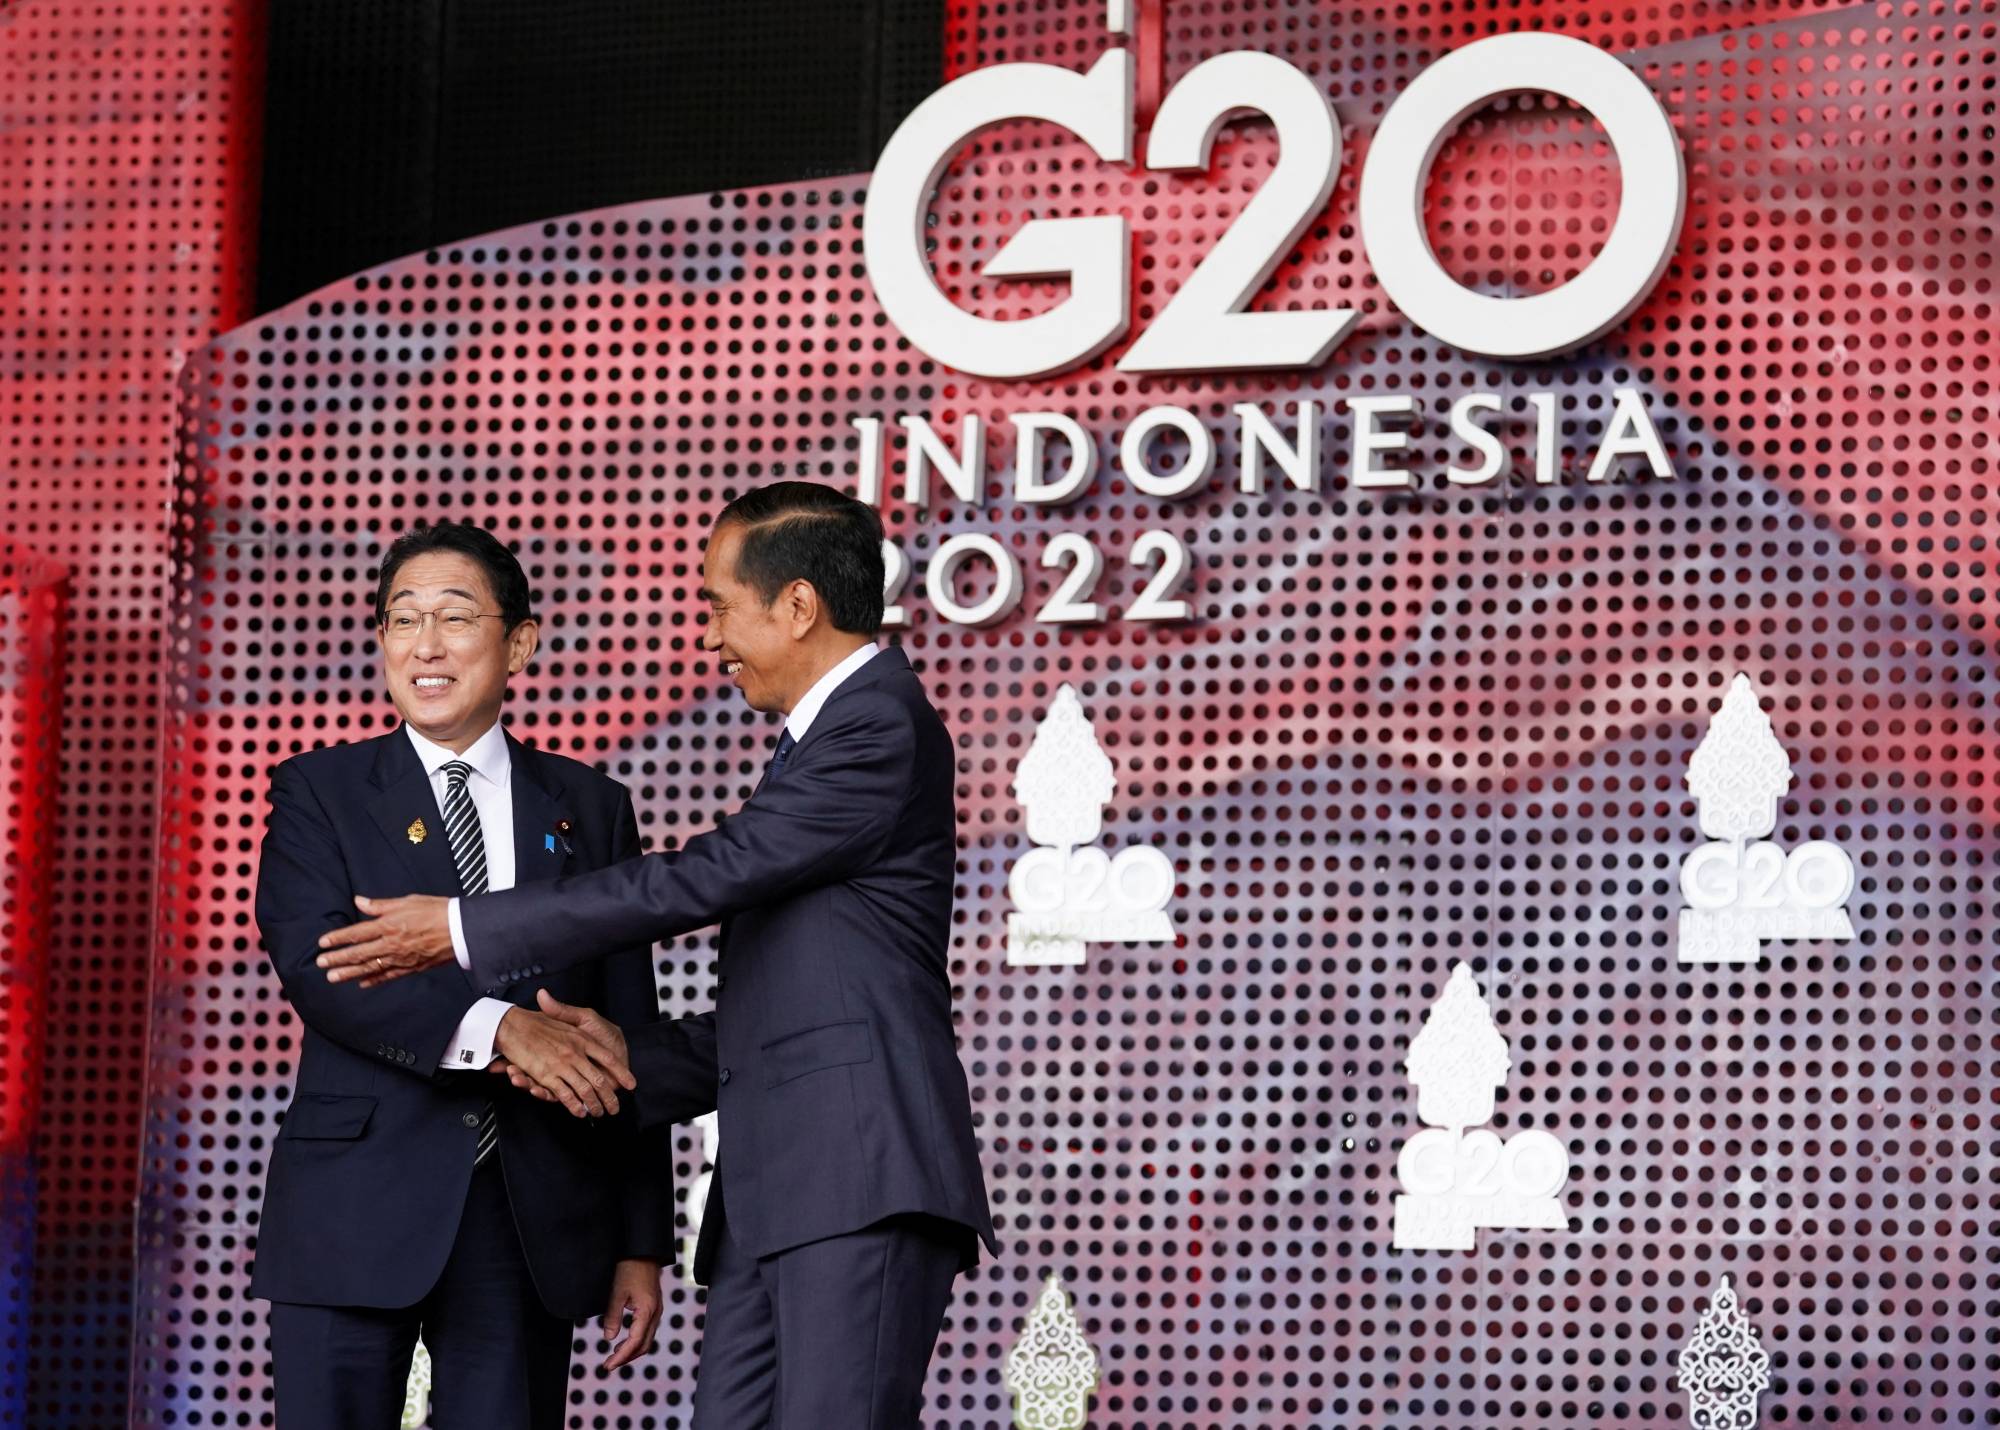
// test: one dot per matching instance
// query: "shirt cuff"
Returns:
(458, 949)
(472, 1045)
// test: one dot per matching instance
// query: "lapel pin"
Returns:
(417, 831)
(560, 838)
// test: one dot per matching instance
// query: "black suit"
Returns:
(373, 1204)
(830, 1053)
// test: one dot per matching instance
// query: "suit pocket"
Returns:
(327, 1116)
(814, 1050)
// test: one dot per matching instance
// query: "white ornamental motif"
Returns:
(1739, 771)
(1066, 891)
(417, 1391)
(1052, 1369)
(1065, 779)
(1723, 1368)
(1455, 1181)
(1459, 1061)
(1741, 893)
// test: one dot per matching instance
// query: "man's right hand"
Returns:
(574, 1056)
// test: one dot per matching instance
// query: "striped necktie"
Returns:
(468, 852)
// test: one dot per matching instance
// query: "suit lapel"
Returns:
(403, 797)
(540, 810)
(885, 664)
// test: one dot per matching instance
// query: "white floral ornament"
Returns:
(1052, 1370)
(1458, 1061)
(1741, 893)
(1739, 771)
(1454, 1181)
(1066, 891)
(417, 1391)
(1065, 779)
(1723, 1368)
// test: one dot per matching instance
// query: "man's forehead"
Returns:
(441, 572)
(717, 574)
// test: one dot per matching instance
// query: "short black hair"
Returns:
(803, 531)
(503, 570)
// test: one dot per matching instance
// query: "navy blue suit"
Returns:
(830, 1054)
(372, 1195)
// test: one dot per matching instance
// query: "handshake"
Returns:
(575, 1056)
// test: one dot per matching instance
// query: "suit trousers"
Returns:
(499, 1361)
(832, 1335)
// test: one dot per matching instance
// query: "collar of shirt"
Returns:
(487, 755)
(807, 710)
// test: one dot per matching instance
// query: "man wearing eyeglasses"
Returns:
(412, 1191)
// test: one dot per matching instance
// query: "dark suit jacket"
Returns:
(369, 1172)
(830, 1052)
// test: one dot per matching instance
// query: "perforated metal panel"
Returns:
(1402, 730)
(32, 592)
(123, 199)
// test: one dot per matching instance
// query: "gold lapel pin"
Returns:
(417, 831)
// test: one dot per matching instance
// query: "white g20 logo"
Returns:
(1204, 327)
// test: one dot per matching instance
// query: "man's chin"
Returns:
(433, 728)
(752, 696)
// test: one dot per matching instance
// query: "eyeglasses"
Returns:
(455, 623)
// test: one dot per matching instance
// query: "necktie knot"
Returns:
(456, 774)
(786, 744)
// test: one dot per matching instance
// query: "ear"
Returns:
(522, 643)
(802, 609)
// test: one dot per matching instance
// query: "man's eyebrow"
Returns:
(705, 594)
(449, 591)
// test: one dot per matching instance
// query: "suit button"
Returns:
(723, 1076)
(471, 1119)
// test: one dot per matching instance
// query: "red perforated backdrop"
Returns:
(1400, 731)
(125, 199)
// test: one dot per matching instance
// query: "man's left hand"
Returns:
(635, 1286)
(399, 937)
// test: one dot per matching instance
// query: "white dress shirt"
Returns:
(796, 724)
(808, 708)
(471, 1047)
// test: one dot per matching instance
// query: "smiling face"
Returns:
(449, 689)
(762, 646)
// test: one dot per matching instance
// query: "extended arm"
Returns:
(303, 890)
(825, 819)
(631, 999)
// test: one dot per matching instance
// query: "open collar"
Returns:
(807, 710)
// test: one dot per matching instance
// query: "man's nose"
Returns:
(710, 640)
(430, 642)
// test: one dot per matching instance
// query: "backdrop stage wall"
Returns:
(1399, 728)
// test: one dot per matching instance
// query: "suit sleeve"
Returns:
(303, 890)
(645, 1176)
(673, 1061)
(826, 819)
